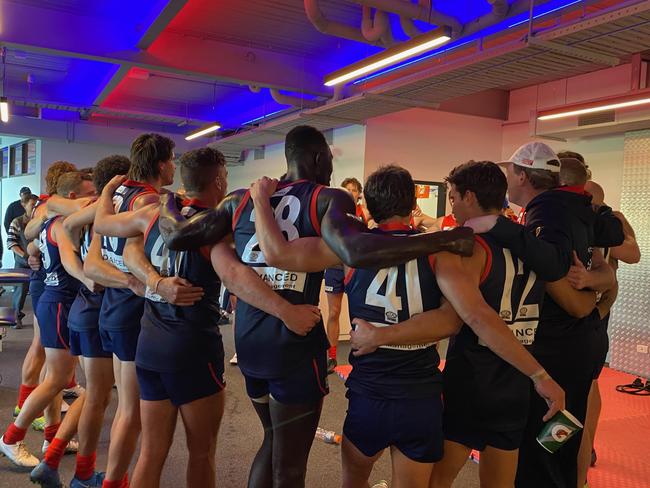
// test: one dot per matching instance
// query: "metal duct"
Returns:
(373, 28)
(410, 10)
(326, 26)
(283, 99)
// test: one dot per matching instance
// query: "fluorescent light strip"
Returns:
(541, 14)
(389, 60)
(413, 61)
(4, 109)
(202, 132)
(591, 110)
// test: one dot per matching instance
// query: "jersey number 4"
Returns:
(390, 301)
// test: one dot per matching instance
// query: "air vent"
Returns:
(597, 118)
(259, 153)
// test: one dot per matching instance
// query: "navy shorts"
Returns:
(183, 386)
(87, 343)
(479, 438)
(412, 425)
(306, 384)
(122, 343)
(334, 280)
(53, 323)
(36, 289)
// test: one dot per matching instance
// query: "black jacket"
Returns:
(15, 209)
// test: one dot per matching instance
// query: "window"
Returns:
(19, 159)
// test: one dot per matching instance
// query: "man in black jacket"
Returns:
(564, 345)
(17, 208)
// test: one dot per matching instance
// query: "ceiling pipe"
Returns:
(374, 28)
(419, 11)
(407, 24)
(326, 26)
(283, 99)
(500, 10)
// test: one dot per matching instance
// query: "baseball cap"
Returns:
(536, 155)
(25, 190)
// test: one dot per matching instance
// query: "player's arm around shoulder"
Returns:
(204, 228)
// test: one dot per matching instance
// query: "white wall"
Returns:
(348, 148)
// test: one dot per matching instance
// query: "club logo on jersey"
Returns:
(391, 317)
(523, 311)
(506, 314)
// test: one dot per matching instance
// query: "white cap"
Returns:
(536, 155)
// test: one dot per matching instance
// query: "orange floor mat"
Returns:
(622, 439)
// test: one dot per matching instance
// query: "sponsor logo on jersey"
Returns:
(279, 279)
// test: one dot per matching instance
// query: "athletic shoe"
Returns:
(233, 360)
(18, 324)
(95, 481)
(71, 448)
(381, 484)
(64, 407)
(38, 424)
(73, 392)
(18, 454)
(46, 476)
(331, 364)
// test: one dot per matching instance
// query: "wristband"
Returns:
(539, 376)
(154, 288)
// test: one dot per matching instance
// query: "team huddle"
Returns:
(127, 279)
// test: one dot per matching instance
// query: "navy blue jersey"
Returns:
(40, 274)
(84, 313)
(266, 348)
(59, 285)
(121, 308)
(174, 338)
(389, 296)
(479, 385)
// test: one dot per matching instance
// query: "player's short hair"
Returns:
(53, 174)
(199, 168)
(352, 181)
(108, 167)
(483, 178)
(71, 182)
(146, 152)
(389, 192)
(302, 141)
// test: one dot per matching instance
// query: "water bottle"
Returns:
(381, 484)
(328, 436)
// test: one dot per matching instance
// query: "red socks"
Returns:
(50, 432)
(73, 382)
(55, 453)
(23, 393)
(331, 352)
(123, 483)
(85, 466)
(14, 434)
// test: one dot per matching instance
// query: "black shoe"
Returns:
(594, 458)
(331, 364)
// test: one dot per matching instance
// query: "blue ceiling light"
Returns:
(262, 117)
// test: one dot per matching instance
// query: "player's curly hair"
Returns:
(54, 172)
(108, 167)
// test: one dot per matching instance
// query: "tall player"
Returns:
(152, 167)
(285, 373)
(61, 285)
(180, 354)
